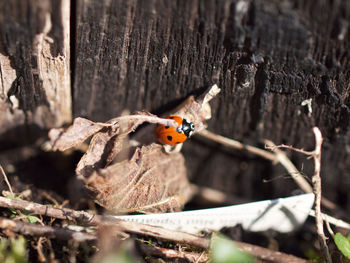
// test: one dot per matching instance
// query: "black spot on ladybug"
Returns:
(171, 117)
(166, 127)
(170, 138)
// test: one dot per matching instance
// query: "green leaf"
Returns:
(343, 244)
(13, 250)
(32, 219)
(223, 250)
(18, 249)
(314, 255)
(13, 211)
(348, 236)
(121, 255)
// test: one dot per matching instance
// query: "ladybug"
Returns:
(171, 135)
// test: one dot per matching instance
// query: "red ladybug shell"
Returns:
(171, 135)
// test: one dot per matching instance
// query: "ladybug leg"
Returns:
(172, 149)
(179, 129)
(178, 147)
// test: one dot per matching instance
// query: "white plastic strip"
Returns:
(283, 215)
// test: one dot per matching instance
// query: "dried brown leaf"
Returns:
(81, 129)
(102, 149)
(151, 181)
(77, 133)
(197, 111)
(107, 142)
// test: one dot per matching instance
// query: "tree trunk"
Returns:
(34, 68)
(268, 57)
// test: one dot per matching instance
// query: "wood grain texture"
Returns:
(139, 54)
(34, 67)
(267, 56)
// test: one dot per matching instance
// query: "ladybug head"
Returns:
(187, 127)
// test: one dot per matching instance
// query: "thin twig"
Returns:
(6, 180)
(159, 232)
(213, 196)
(268, 255)
(61, 213)
(332, 220)
(52, 255)
(294, 172)
(39, 249)
(289, 166)
(290, 147)
(276, 157)
(316, 181)
(330, 230)
(200, 257)
(91, 219)
(144, 118)
(237, 145)
(48, 231)
(172, 253)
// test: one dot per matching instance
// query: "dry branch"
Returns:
(267, 255)
(237, 145)
(276, 157)
(159, 232)
(47, 231)
(332, 220)
(316, 181)
(172, 253)
(91, 219)
(60, 213)
(129, 227)
(212, 196)
(289, 166)
(6, 180)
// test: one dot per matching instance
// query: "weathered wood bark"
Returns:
(267, 56)
(34, 68)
